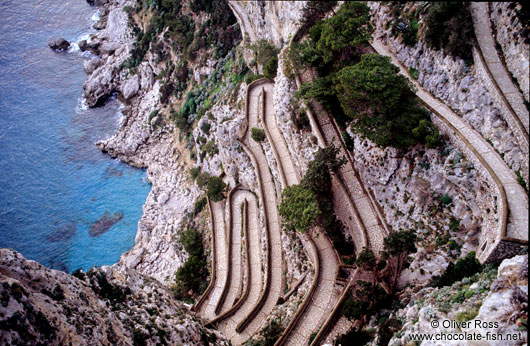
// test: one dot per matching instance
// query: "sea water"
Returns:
(54, 183)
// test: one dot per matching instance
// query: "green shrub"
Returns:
(465, 316)
(205, 127)
(264, 51)
(199, 205)
(446, 200)
(194, 172)
(449, 25)
(339, 35)
(382, 103)
(464, 267)
(191, 277)
(298, 208)
(414, 73)
(317, 177)
(272, 332)
(348, 141)
(257, 134)
(270, 68)
(215, 189)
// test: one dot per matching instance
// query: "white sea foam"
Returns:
(95, 17)
(81, 105)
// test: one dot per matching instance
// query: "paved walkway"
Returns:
(229, 324)
(348, 189)
(207, 310)
(323, 299)
(251, 317)
(516, 196)
(234, 283)
(512, 95)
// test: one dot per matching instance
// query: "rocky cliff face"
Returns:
(275, 21)
(496, 298)
(156, 252)
(107, 306)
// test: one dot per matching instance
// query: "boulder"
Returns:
(59, 45)
(97, 2)
(83, 45)
(130, 87)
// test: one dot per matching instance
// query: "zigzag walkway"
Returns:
(513, 199)
(322, 295)
(237, 204)
(242, 317)
(207, 303)
(362, 204)
(509, 93)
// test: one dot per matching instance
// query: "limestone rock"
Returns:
(130, 87)
(92, 64)
(104, 306)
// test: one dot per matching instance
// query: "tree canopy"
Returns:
(339, 35)
(215, 189)
(382, 104)
(299, 208)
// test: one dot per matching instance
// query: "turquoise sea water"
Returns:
(54, 182)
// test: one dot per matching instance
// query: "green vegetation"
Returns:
(414, 73)
(382, 104)
(205, 127)
(270, 68)
(464, 267)
(449, 25)
(313, 12)
(194, 172)
(264, 53)
(270, 334)
(521, 181)
(299, 208)
(318, 179)
(340, 36)
(257, 134)
(215, 189)
(365, 90)
(369, 297)
(405, 24)
(366, 300)
(398, 245)
(311, 202)
(190, 279)
(446, 200)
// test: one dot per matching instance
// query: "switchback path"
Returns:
(251, 316)
(234, 234)
(230, 317)
(516, 198)
(207, 308)
(320, 301)
(367, 221)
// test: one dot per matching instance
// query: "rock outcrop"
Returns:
(107, 306)
(494, 301)
(59, 45)
(274, 21)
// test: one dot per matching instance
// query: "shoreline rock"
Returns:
(105, 223)
(59, 45)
